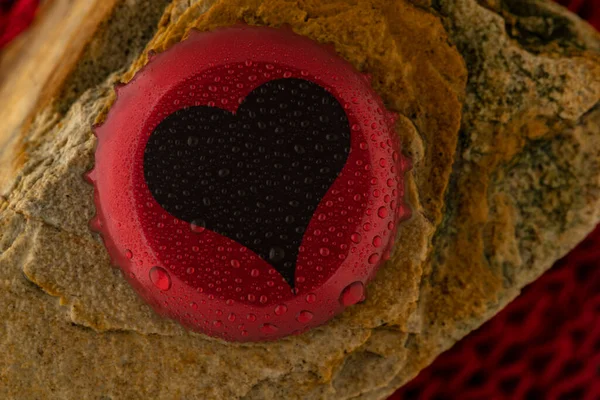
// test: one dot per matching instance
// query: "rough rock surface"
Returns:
(506, 179)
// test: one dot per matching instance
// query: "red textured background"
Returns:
(15, 17)
(544, 345)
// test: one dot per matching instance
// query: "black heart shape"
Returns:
(256, 176)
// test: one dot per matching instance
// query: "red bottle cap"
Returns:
(248, 183)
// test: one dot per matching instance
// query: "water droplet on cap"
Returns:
(198, 225)
(192, 141)
(311, 298)
(269, 328)
(280, 309)
(223, 172)
(356, 238)
(382, 212)
(352, 294)
(304, 317)
(377, 241)
(160, 278)
(276, 254)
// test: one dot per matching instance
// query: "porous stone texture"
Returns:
(499, 109)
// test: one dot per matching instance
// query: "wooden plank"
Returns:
(34, 66)
(46, 53)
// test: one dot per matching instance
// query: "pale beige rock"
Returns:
(495, 204)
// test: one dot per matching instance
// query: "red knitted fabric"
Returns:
(545, 345)
(15, 17)
(587, 9)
